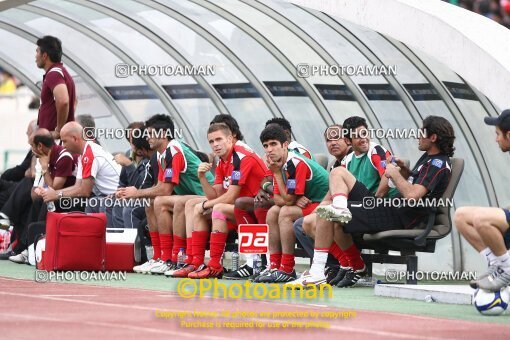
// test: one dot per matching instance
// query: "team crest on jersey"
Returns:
(226, 182)
(437, 163)
(168, 173)
(291, 184)
(236, 175)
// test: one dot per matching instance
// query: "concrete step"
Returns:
(453, 294)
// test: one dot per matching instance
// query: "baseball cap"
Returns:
(502, 121)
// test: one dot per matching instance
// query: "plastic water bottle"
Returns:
(50, 205)
(235, 261)
(181, 257)
(257, 264)
(390, 182)
(149, 251)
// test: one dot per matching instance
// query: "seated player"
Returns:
(238, 174)
(254, 210)
(427, 180)
(487, 229)
(186, 230)
(299, 186)
(175, 168)
(367, 164)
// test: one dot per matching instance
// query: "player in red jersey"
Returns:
(238, 174)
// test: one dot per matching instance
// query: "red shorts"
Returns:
(309, 208)
(231, 225)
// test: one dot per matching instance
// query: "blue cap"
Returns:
(502, 121)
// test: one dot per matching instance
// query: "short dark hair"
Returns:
(139, 140)
(134, 126)
(45, 139)
(273, 132)
(86, 121)
(282, 122)
(351, 124)
(442, 128)
(162, 122)
(51, 46)
(219, 126)
(231, 123)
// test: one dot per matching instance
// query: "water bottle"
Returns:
(50, 205)
(390, 182)
(150, 252)
(181, 257)
(235, 261)
(257, 264)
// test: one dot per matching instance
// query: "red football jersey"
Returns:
(244, 168)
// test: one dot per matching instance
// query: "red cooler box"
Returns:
(122, 249)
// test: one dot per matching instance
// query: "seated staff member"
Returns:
(97, 175)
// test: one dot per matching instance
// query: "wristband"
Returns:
(265, 185)
(203, 207)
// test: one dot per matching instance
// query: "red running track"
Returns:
(74, 311)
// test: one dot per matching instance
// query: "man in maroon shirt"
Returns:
(58, 94)
(58, 164)
(58, 171)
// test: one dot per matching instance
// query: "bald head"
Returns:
(71, 135)
(42, 132)
(72, 129)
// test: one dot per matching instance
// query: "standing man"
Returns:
(488, 228)
(58, 94)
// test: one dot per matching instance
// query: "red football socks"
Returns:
(200, 239)
(288, 263)
(217, 247)
(166, 242)
(275, 260)
(339, 254)
(179, 243)
(189, 250)
(354, 257)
